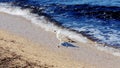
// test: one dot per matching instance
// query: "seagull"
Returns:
(62, 38)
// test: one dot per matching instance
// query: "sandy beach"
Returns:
(23, 44)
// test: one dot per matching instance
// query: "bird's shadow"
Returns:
(67, 44)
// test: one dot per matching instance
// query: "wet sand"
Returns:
(18, 52)
(85, 56)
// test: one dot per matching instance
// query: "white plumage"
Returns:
(62, 38)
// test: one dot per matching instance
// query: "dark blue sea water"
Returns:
(99, 20)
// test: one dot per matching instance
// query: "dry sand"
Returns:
(44, 47)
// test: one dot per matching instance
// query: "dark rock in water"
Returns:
(67, 44)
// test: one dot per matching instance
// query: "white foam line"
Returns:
(110, 50)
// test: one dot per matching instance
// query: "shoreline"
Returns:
(54, 26)
(85, 53)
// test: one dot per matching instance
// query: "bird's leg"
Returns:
(60, 43)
